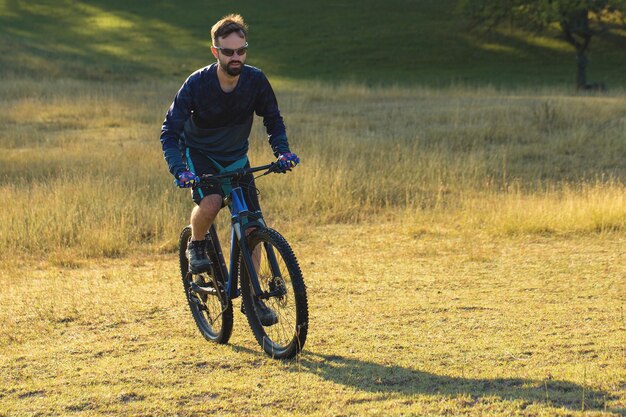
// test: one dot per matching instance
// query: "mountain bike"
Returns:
(263, 269)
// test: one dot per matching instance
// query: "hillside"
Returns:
(400, 41)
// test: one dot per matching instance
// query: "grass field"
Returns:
(455, 265)
(461, 228)
(403, 322)
(82, 173)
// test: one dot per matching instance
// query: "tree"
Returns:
(578, 20)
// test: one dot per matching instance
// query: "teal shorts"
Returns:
(200, 164)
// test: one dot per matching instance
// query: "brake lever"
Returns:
(204, 179)
(275, 168)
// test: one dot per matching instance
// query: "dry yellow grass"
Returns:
(406, 319)
(81, 168)
(463, 248)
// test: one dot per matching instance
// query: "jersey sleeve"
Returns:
(173, 125)
(266, 106)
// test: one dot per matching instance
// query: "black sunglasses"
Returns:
(230, 52)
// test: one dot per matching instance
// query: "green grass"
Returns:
(399, 41)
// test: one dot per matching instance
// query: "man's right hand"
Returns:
(186, 179)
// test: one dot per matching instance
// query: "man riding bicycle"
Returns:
(206, 129)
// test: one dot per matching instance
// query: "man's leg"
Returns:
(202, 217)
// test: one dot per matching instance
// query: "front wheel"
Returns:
(206, 296)
(282, 291)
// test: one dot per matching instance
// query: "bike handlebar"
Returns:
(240, 172)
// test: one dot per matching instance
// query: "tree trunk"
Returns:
(581, 68)
(575, 27)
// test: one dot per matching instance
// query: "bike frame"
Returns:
(242, 219)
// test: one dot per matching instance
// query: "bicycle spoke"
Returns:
(276, 279)
(212, 315)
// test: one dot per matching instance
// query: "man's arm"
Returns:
(173, 125)
(267, 107)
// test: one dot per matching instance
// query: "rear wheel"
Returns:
(283, 291)
(210, 307)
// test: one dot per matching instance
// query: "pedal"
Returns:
(202, 290)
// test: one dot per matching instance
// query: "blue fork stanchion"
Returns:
(239, 217)
(238, 206)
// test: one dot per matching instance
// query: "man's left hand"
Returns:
(288, 160)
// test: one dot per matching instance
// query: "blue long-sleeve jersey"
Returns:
(216, 123)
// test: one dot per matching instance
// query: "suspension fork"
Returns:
(240, 239)
(271, 257)
(267, 251)
(217, 247)
(239, 247)
(240, 223)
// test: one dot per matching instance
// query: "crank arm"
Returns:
(202, 290)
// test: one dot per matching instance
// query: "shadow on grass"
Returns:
(373, 377)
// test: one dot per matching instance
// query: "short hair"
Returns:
(227, 25)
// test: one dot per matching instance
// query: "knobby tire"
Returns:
(285, 339)
(214, 322)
